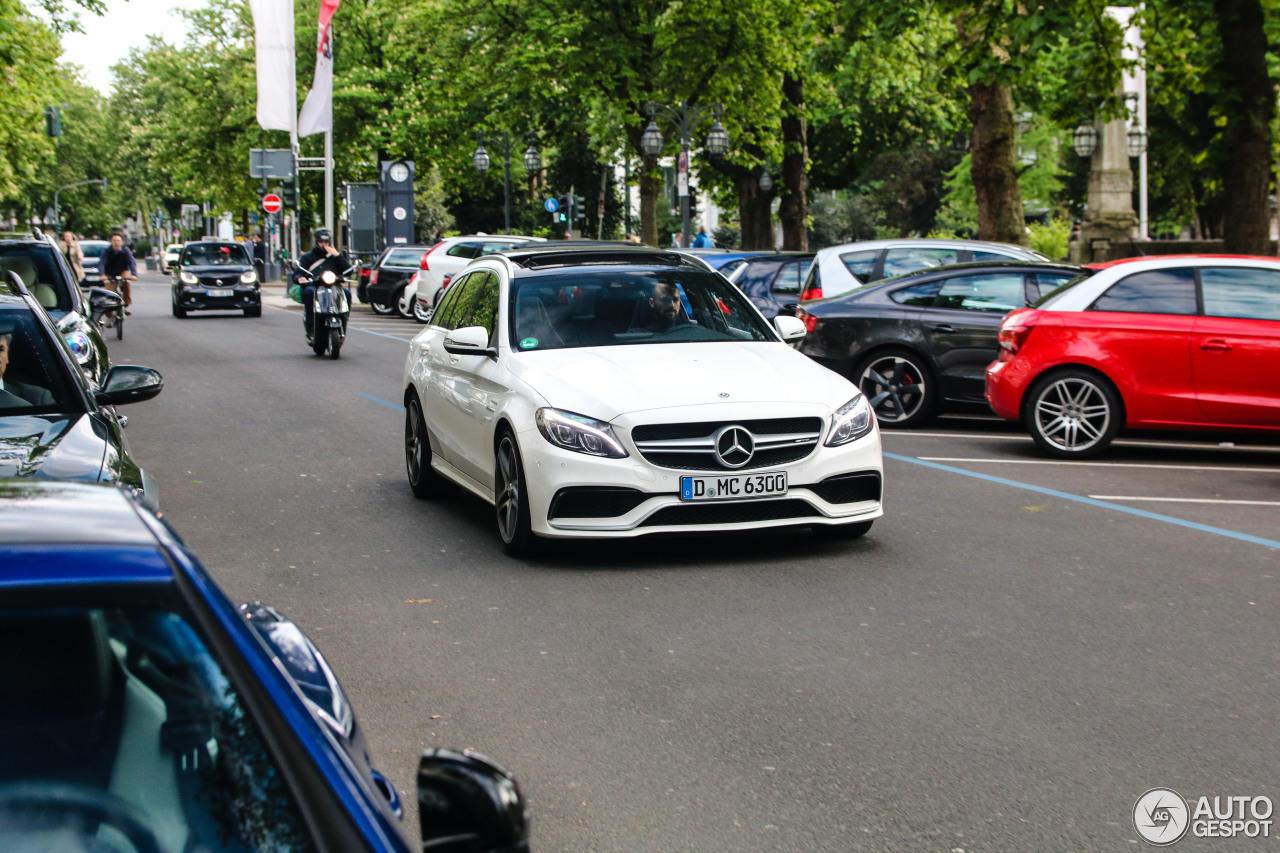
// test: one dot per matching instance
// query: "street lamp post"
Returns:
(57, 215)
(503, 145)
(684, 121)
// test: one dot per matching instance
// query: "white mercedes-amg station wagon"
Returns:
(605, 391)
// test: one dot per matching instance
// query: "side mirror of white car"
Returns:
(469, 340)
(791, 329)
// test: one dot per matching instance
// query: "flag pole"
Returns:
(328, 159)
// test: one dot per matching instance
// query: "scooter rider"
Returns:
(323, 256)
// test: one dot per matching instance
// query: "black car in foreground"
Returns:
(920, 343)
(53, 423)
(772, 281)
(213, 275)
(47, 277)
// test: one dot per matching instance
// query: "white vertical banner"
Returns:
(317, 110)
(273, 47)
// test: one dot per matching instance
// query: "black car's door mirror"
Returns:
(101, 301)
(468, 803)
(128, 383)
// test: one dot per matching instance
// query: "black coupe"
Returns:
(920, 343)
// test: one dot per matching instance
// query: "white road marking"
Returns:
(1183, 500)
(980, 460)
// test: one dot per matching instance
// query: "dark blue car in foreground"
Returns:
(142, 711)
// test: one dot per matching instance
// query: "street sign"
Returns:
(271, 163)
(271, 203)
(551, 205)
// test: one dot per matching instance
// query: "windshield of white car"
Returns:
(618, 307)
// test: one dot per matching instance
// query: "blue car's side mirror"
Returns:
(468, 803)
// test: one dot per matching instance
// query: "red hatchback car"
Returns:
(1173, 342)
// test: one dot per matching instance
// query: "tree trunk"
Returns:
(650, 190)
(994, 151)
(794, 211)
(1250, 105)
(753, 212)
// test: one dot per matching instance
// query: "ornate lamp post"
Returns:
(685, 121)
(503, 145)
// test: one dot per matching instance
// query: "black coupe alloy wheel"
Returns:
(898, 387)
(423, 479)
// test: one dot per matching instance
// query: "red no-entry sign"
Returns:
(271, 203)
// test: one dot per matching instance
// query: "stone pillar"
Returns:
(1109, 221)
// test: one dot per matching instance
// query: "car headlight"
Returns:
(248, 277)
(851, 421)
(579, 433)
(81, 347)
(188, 278)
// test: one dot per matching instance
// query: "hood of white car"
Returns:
(606, 382)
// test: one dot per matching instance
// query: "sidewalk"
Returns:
(275, 295)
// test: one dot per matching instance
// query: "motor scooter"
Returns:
(330, 309)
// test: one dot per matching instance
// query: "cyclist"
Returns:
(117, 262)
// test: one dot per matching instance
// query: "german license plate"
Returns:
(733, 487)
(220, 292)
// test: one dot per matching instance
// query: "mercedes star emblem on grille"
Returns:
(735, 446)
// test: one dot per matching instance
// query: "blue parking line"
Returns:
(1141, 513)
(380, 334)
(396, 406)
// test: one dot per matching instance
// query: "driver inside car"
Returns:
(15, 394)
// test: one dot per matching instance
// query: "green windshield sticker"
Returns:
(528, 343)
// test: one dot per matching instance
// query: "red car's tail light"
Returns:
(814, 292)
(1013, 338)
(808, 319)
(365, 272)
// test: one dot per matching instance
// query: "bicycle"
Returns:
(114, 318)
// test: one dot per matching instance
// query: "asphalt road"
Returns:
(1013, 655)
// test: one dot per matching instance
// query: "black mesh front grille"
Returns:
(730, 513)
(707, 461)
(595, 502)
(768, 426)
(685, 460)
(849, 488)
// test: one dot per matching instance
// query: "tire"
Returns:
(255, 311)
(510, 498)
(321, 341)
(120, 325)
(842, 532)
(180, 313)
(403, 308)
(424, 482)
(1073, 414)
(336, 337)
(899, 386)
(421, 312)
(381, 309)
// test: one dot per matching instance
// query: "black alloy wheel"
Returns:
(1073, 414)
(899, 387)
(423, 479)
(510, 501)
(379, 308)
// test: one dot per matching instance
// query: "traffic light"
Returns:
(579, 211)
(562, 217)
(289, 193)
(53, 121)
